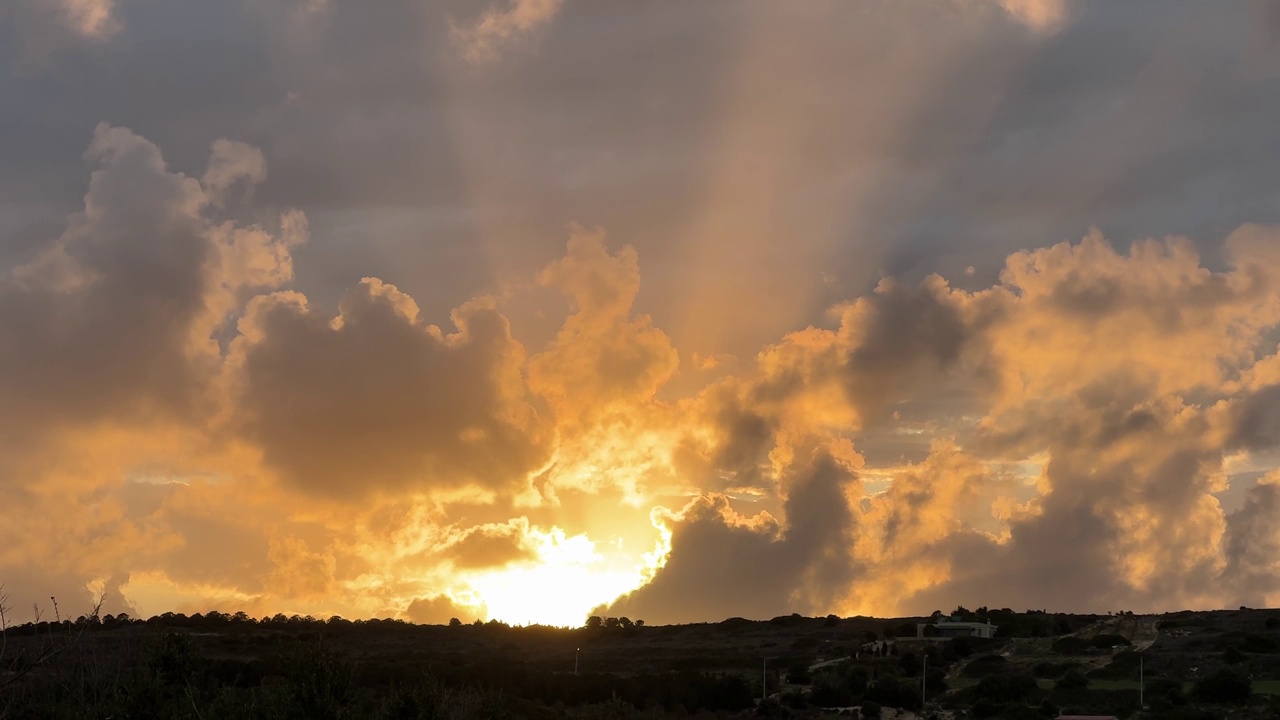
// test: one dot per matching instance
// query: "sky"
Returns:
(527, 310)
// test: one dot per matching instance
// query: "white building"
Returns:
(951, 627)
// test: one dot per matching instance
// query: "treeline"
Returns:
(214, 620)
(167, 675)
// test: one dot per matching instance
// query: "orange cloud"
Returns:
(183, 427)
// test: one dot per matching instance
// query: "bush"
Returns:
(895, 693)
(985, 665)
(1072, 680)
(1050, 670)
(1123, 666)
(1106, 641)
(986, 709)
(829, 693)
(1071, 645)
(1224, 686)
(871, 710)
(1182, 714)
(1009, 688)
(1165, 694)
(960, 647)
(1260, 644)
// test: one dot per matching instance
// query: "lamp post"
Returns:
(575, 660)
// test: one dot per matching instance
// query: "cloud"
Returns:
(232, 162)
(603, 355)
(113, 319)
(416, 392)
(109, 365)
(91, 18)
(725, 564)
(437, 610)
(44, 28)
(1077, 457)
(491, 545)
(485, 38)
(373, 399)
(1039, 15)
(1252, 544)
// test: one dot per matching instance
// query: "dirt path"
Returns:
(1140, 630)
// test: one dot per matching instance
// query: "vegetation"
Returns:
(233, 666)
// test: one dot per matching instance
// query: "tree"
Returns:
(594, 622)
(455, 622)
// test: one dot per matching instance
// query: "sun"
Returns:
(570, 577)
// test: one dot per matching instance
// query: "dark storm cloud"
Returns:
(723, 564)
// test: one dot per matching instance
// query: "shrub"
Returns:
(1050, 670)
(985, 665)
(895, 693)
(1164, 693)
(1260, 644)
(1224, 686)
(1072, 680)
(1106, 641)
(1071, 645)
(1008, 688)
(960, 647)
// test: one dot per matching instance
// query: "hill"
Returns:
(1223, 664)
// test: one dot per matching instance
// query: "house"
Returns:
(954, 627)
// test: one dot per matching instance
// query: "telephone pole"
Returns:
(924, 681)
(764, 680)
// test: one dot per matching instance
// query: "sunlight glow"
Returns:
(570, 578)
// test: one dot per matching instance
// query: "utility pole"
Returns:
(924, 681)
(575, 661)
(764, 680)
(1142, 687)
